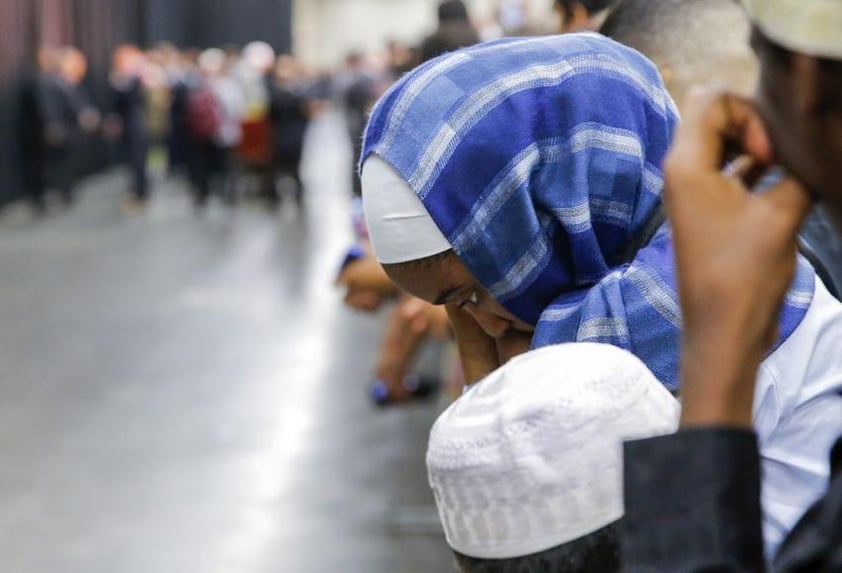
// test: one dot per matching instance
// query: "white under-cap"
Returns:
(399, 226)
(811, 27)
(530, 458)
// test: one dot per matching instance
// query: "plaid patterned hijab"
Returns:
(539, 160)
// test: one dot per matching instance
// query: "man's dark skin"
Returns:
(735, 253)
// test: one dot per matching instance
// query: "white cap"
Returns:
(531, 458)
(812, 27)
(399, 226)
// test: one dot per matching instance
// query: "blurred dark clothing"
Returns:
(63, 104)
(209, 151)
(129, 105)
(200, 121)
(203, 112)
(398, 68)
(823, 248)
(210, 164)
(449, 37)
(321, 88)
(452, 11)
(454, 31)
(287, 111)
(289, 119)
(177, 139)
(30, 132)
(693, 505)
(358, 98)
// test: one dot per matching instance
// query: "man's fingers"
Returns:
(744, 128)
(746, 170)
(714, 120)
(790, 200)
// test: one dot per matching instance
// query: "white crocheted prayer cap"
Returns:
(399, 226)
(531, 457)
(811, 27)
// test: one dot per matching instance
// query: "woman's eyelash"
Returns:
(473, 298)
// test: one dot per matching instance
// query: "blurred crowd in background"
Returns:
(544, 155)
(232, 121)
(212, 116)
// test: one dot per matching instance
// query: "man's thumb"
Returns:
(790, 200)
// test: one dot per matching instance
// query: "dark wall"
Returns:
(167, 21)
(97, 26)
(15, 46)
(205, 23)
(240, 21)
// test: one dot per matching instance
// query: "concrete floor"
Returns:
(185, 393)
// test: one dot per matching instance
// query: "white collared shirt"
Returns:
(798, 416)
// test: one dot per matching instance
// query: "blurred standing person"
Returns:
(401, 59)
(216, 107)
(203, 121)
(454, 31)
(127, 120)
(359, 94)
(178, 70)
(31, 127)
(288, 114)
(233, 110)
(157, 97)
(69, 116)
(253, 72)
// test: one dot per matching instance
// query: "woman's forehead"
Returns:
(433, 280)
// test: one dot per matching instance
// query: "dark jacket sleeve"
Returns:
(693, 503)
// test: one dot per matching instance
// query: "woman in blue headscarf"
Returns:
(509, 180)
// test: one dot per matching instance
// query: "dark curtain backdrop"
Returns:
(97, 26)
(204, 23)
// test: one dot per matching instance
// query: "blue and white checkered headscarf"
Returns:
(539, 160)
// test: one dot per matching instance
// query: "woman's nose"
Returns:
(494, 325)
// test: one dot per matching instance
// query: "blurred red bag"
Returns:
(256, 145)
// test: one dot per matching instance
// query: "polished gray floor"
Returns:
(183, 392)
